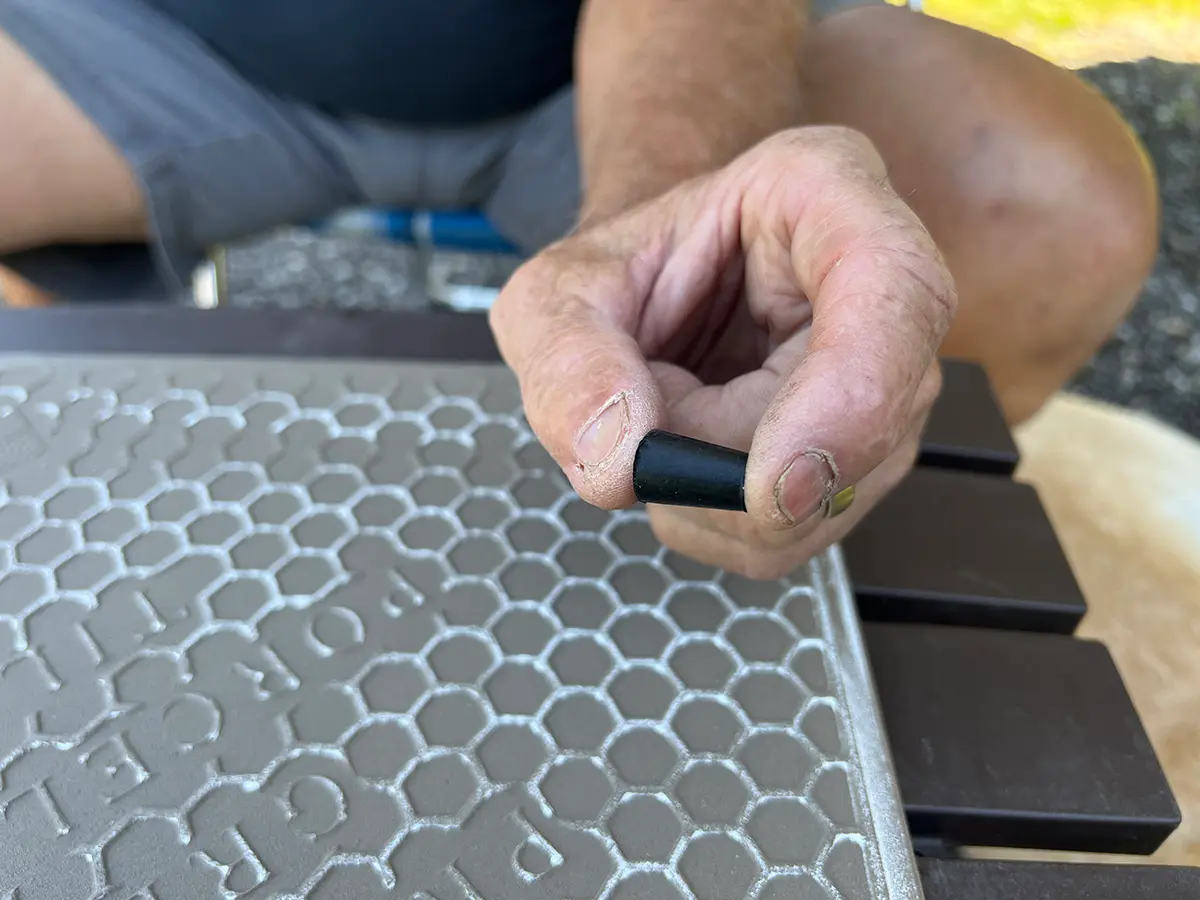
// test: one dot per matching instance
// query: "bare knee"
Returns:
(16, 292)
(1077, 198)
(1060, 226)
(1051, 254)
(61, 180)
(1116, 215)
(1037, 192)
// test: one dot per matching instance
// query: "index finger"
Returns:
(562, 325)
(882, 303)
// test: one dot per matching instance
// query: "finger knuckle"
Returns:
(935, 275)
(547, 376)
(850, 144)
(771, 533)
(534, 273)
(913, 277)
(759, 565)
(689, 543)
(920, 261)
(910, 454)
(900, 463)
(931, 386)
(899, 468)
(526, 285)
(666, 527)
(833, 149)
(875, 411)
(833, 141)
(737, 553)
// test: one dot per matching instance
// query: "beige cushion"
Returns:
(1123, 491)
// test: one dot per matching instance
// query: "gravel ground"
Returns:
(1153, 362)
(295, 269)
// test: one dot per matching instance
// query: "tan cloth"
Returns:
(1123, 492)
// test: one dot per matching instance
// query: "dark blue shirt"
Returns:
(425, 62)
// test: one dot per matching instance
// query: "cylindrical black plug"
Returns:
(674, 470)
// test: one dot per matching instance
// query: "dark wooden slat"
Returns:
(963, 549)
(1011, 880)
(1007, 738)
(966, 428)
(238, 331)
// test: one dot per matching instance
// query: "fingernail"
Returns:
(801, 488)
(604, 433)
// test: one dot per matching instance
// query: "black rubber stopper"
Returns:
(674, 470)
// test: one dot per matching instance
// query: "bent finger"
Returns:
(587, 390)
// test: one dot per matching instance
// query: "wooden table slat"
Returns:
(1015, 739)
(944, 879)
(962, 549)
(966, 428)
(250, 331)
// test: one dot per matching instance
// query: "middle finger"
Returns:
(732, 541)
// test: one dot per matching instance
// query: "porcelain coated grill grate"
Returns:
(311, 630)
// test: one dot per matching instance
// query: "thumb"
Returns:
(564, 324)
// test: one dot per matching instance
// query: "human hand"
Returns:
(789, 305)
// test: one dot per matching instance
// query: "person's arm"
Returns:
(669, 89)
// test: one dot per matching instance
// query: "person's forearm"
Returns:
(670, 89)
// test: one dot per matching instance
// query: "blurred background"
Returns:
(1079, 33)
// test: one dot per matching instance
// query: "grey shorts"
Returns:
(221, 160)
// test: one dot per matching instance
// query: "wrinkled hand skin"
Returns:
(790, 305)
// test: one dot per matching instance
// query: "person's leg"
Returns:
(60, 178)
(537, 198)
(18, 293)
(56, 166)
(1037, 192)
(127, 150)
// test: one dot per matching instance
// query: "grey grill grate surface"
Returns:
(275, 629)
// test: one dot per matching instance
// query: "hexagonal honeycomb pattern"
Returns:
(344, 631)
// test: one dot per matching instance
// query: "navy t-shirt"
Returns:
(413, 61)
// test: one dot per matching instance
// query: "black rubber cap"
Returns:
(673, 470)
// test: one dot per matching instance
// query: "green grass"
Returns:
(1055, 15)
(1081, 32)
